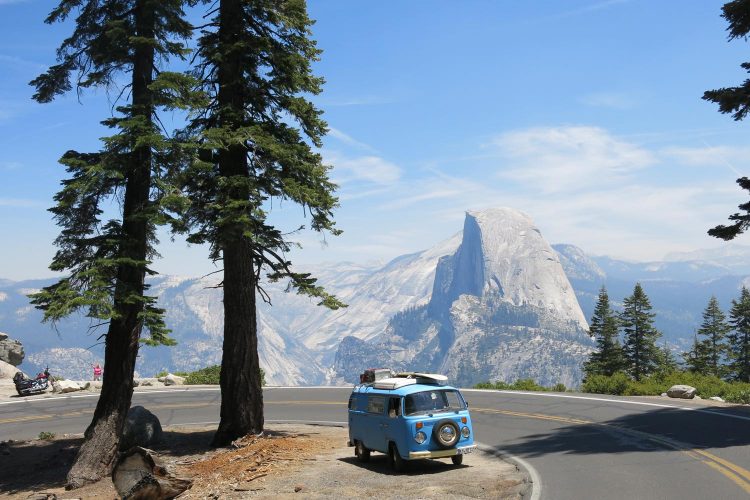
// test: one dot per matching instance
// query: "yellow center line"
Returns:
(734, 472)
(25, 419)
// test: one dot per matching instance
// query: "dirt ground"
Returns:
(288, 462)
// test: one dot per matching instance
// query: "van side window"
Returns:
(351, 402)
(376, 404)
(394, 407)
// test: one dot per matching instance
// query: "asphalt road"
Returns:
(580, 446)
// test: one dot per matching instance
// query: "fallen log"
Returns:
(138, 475)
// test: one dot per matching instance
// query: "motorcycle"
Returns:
(27, 387)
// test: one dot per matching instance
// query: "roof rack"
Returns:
(409, 378)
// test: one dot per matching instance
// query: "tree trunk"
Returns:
(98, 454)
(241, 392)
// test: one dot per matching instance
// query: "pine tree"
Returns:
(667, 362)
(739, 337)
(608, 357)
(735, 100)
(106, 261)
(636, 320)
(697, 358)
(254, 59)
(710, 351)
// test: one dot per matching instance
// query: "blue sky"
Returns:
(584, 114)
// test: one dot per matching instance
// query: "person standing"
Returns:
(97, 372)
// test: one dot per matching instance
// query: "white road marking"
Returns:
(609, 400)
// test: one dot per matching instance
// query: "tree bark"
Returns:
(241, 393)
(97, 456)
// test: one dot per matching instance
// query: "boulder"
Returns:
(171, 379)
(142, 428)
(94, 385)
(146, 382)
(7, 371)
(716, 398)
(11, 351)
(63, 386)
(681, 392)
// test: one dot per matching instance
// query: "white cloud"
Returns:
(348, 140)
(369, 169)
(572, 158)
(732, 158)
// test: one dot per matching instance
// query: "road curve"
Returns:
(582, 446)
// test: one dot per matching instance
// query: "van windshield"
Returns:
(433, 401)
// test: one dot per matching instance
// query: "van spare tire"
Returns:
(446, 433)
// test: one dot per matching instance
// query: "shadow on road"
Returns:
(691, 428)
(379, 464)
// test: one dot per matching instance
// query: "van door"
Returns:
(394, 425)
(374, 433)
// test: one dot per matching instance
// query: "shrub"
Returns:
(204, 376)
(559, 388)
(526, 384)
(210, 376)
(602, 384)
(46, 436)
(738, 393)
(484, 385)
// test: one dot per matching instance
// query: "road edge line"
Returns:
(536, 479)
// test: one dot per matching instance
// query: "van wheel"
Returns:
(394, 459)
(362, 453)
(457, 459)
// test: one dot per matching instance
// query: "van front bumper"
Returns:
(462, 450)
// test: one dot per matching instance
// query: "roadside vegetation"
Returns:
(205, 376)
(628, 362)
(525, 384)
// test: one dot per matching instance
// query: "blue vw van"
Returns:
(410, 416)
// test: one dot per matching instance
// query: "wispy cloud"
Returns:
(594, 7)
(358, 101)
(571, 158)
(611, 100)
(368, 169)
(348, 140)
(17, 61)
(20, 203)
(730, 157)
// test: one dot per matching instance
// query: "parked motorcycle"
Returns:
(27, 387)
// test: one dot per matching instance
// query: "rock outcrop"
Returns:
(11, 351)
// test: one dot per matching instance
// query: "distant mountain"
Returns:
(501, 309)
(493, 301)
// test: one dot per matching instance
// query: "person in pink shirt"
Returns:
(97, 372)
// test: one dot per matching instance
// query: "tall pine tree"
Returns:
(696, 359)
(106, 261)
(639, 334)
(708, 353)
(608, 357)
(254, 59)
(735, 100)
(739, 338)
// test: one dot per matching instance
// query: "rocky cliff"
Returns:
(501, 308)
(11, 351)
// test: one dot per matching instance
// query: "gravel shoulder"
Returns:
(300, 461)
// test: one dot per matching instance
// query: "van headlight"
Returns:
(465, 432)
(420, 437)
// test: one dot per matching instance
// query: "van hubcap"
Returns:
(447, 434)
